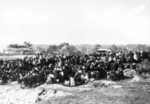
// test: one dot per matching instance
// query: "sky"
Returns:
(75, 21)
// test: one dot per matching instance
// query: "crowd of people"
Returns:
(69, 70)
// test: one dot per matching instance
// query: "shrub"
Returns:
(145, 66)
(143, 69)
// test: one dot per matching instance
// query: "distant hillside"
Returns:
(87, 47)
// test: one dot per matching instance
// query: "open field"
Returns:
(130, 91)
(114, 93)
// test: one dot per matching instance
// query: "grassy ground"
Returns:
(139, 93)
(129, 93)
(97, 92)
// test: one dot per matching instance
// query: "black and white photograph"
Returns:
(74, 51)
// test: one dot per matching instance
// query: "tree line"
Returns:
(67, 48)
(94, 48)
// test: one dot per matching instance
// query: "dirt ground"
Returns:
(130, 91)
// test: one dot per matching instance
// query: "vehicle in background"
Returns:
(103, 50)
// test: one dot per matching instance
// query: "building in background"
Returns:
(18, 51)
